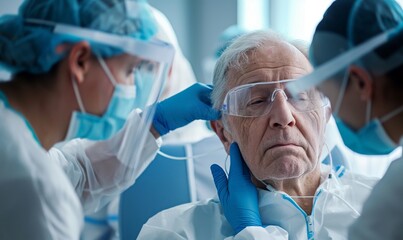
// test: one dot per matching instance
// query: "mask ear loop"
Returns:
(107, 70)
(77, 94)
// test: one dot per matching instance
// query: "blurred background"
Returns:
(199, 23)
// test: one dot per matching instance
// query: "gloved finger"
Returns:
(220, 181)
(238, 166)
(206, 112)
(205, 96)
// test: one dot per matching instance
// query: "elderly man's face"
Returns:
(283, 143)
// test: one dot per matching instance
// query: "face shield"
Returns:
(151, 62)
(153, 59)
(372, 27)
(373, 35)
(388, 17)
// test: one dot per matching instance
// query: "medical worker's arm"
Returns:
(382, 214)
(95, 169)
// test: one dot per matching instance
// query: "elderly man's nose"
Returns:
(280, 114)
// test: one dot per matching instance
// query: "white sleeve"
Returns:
(95, 170)
(150, 232)
(269, 232)
(381, 216)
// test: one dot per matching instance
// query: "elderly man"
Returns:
(280, 138)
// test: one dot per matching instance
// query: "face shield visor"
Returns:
(372, 41)
(388, 17)
(152, 60)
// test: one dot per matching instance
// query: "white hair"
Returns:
(236, 55)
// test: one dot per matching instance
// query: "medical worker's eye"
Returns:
(130, 71)
(302, 96)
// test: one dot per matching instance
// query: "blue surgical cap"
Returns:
(28, 47)
(348, 23)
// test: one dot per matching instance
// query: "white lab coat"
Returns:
(338, 203)
(37, 199)
(382, 215)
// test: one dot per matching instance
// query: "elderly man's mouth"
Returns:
(283, 145)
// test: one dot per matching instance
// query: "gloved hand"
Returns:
(238, 196)
(179, 110)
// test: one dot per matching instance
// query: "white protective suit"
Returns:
(338, 203)
(37, 200)
(382, 215)
(94, 169)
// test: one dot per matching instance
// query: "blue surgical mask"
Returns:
(85, 125)
(370, 140)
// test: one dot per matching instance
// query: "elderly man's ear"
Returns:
(328, 113)
(222, 133)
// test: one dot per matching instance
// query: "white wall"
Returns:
(9, 6)
(297, 19)
(198, 25)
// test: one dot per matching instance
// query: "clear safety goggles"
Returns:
(257, 99)
(389, 17)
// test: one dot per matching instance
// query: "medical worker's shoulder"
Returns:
(28, 174)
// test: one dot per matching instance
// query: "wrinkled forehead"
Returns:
(269, 63)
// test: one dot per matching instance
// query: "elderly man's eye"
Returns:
(302, 97)
(256, 101)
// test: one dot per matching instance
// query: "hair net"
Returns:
(28, 44)
(348, 23)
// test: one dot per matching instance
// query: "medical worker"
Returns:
(75, 65)
(357, 54)
(104, 224)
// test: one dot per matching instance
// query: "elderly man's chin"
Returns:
(286, 163)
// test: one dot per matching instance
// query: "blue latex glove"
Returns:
(191, 104)
(238, 196)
